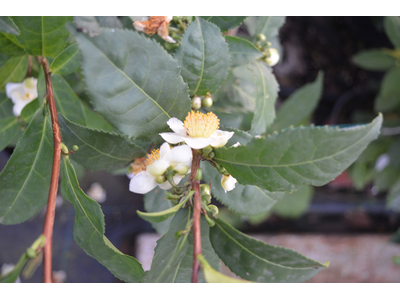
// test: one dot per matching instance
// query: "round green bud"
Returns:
(31, 253)
(196, 103)
(64, 149)
(75, 148)
(207, 102)
(168, 46)
(199, 174)
(206, 198)
(205, 189)
(261, 37)
(160, 179)
(210, 221)
(213, 210)
(181, 169)
(207, 150)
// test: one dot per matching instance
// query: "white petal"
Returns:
(169, 39)
(11, 87)
(157, 168)
(164, 149)
(171, 137)
(180, 154)
(165, 186)
(177, 126)
(142, 183)
(199, 142)
(221, 138)
(17, 108)
(228, 182)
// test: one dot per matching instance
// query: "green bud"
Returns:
(261, 37)
(213, 210)
(64, 149)
(205, 189)
(179, 233)
(199, 174)
(207, 150)
(210, 221)
(31, 253)
(207, 102)
(196, 103)
(75, 148)
(181, 169)
(206, 198)
(168, 46)
(160, 179)
(211, 155)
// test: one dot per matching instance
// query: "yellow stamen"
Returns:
(152, 157)
(138, 165)
(26, 96)
(198, 124)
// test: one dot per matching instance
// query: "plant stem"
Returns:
(196, 215)
(55, 174)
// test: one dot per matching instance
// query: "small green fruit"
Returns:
(207, 102)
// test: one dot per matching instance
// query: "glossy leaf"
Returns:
(137, 86)
(392, 29)
(8, 26)
(173, 258)
(254, 260)
(25, 180)
(299, 106)
(110, 22)
(203, 57)
(14, 70)
(213, 276)
(269, 26)
(43, 35)
(374, 60)
(89, 229)
(239, 136)
(154, 201)
(246, 200)
(67, 61)
(266, 93)
(98, 150)
(388, 97)
(302, 156)
(9, 127)
(241, 51)
(225, 22)
(9, 45)
(29, 110)
(96, 121)
(6, 107)
(293, 206)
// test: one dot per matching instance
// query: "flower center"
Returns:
(198, 124)
(152, 157)
(138, 165)
(26, 96)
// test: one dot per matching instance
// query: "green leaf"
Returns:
(246, 200)
(9, 45)
(269, 26)
(393, 197)
(239, 136)
(96, 121)
(136, 86)
(384, 179)
(360, 174)
(388, 97)
(88, 25)
(256, 261)
(98, 150)
(109, 22)
(25, 180)
(299, 106)
(203, 57)
(173, 258)
(89, 229)
(154, 201)
(392, 29)
(225, 22)
(7, 25)
(67, 61)
(213, 276)
(14, 70)
(293, 206)
(12, 276)
(241, 51)
(301, 156)
(160, 216)
(9, 128)
(374, 60)
(266, 93)
(6, 107)
(29, 110)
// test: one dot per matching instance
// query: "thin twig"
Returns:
(55, 174)
(196, 215)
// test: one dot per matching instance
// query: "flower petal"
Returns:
(221, 138)
(199, 142)
(177, 126)
(157, 168)
(142, 183)
(171, 137)
(11, 87)
(228, 182)
(179, 154)
(164, 149)
(17, 108)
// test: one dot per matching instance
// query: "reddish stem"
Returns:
(55, 174)
(196, 215)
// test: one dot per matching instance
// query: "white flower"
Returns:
(228, 182)
(198, 131)
(180, 158)
(273, 57)
(22, 93)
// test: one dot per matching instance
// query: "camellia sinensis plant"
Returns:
(188, 110)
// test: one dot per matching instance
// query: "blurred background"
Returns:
(353, 221)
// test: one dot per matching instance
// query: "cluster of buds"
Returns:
(198, 102)
(270, 55)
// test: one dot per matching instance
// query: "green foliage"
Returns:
(299, 106)
(44, 36)
(225, 22)
(293, 206)
(269, 26)
(25, 180)
(154, 201)
(7, 25)
(6, 107)
(241, 51)
(145, 92)
(173, 257)
(9, 45)
(67, 61)
(296, 157)
(203, 57)
(392, 29)
(29, 110)
(98, 150)
(374, 60)
(256, 261)
(266, 93)
(389, 93)
(89, 229)
(9, 127)
(14, 70)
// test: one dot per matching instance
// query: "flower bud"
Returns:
(196, 103)
(207, 150)
(228, 182)
(64, 149)
(210, 221)
(207, 102)
(206, 199)
(31, 253)
(205, 189)
(213, 210)
(160, 179)
(157, 168)
(75, 148)
(30, 83)
(272, 57)
(199, 174)
(181, 169)
(261, 37)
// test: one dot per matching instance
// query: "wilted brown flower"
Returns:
(155, 25)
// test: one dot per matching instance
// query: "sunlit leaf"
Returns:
(67, 61)
(8, 26)
(14, 70)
